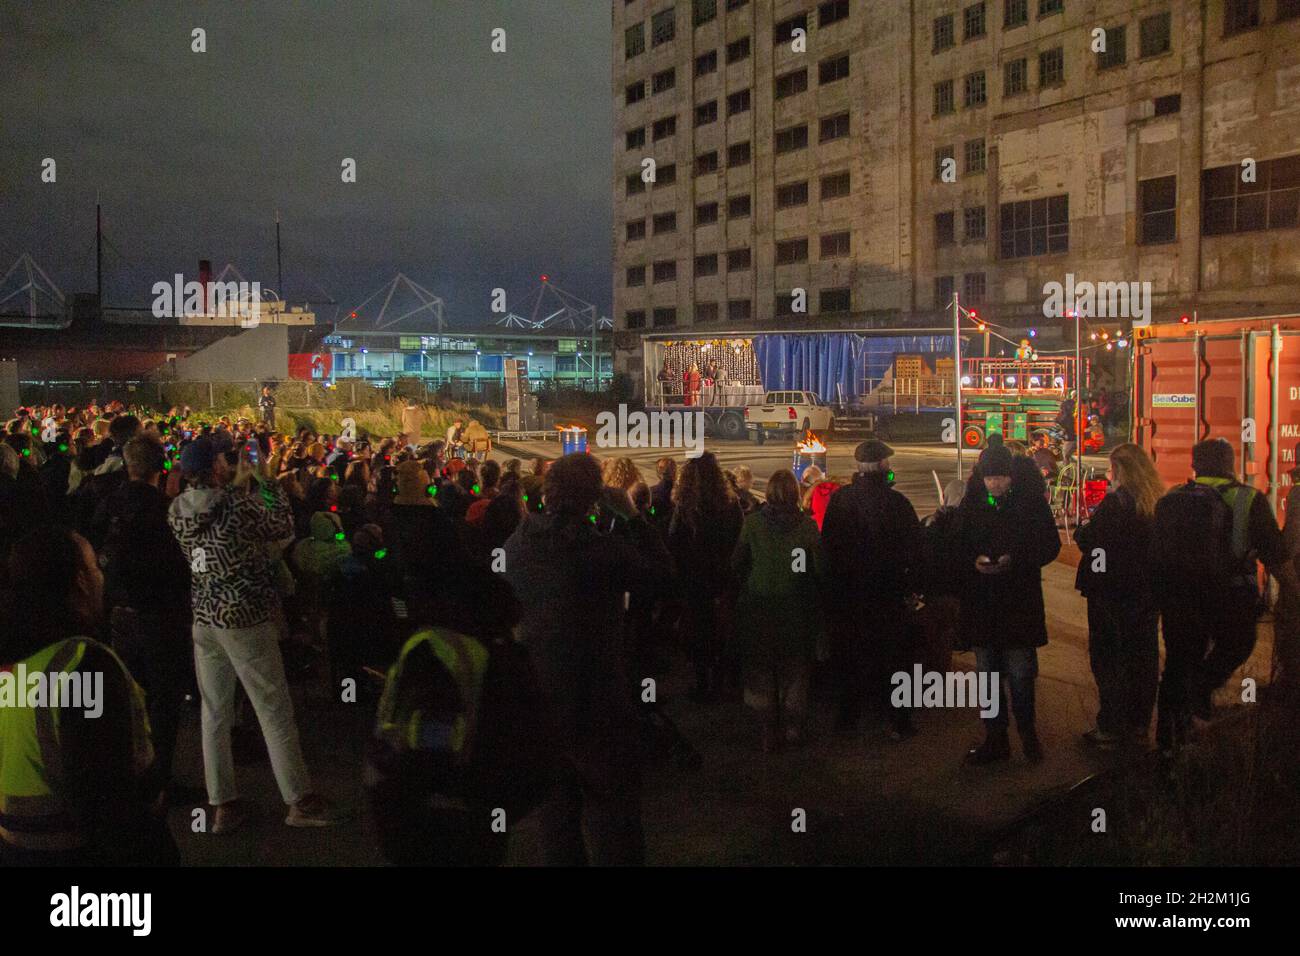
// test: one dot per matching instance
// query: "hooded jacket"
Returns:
(1006, 609)
(322, 555)
(225, 532)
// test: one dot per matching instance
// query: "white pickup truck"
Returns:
(791, 412)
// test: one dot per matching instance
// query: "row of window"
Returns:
(1231, 204)
(1153, 40)
(788, 196)
(831, 186)
(663, 25)
(829, 302)
(833, 245)
(1239, 15)
(974, 226)
(973, 289)
(1015, 80)
(974, 21)
(829, 70)
(974, 154)
(786, 140)
(1030, 227)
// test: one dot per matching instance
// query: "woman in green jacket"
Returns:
(778, 561)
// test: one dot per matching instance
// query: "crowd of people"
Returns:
(513, 625)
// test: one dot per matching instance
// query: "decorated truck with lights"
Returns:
(1012, 397)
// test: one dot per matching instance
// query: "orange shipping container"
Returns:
(1237, 379)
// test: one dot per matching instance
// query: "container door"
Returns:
(1259, 455)
(1167, 405)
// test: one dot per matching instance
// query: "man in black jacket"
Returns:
(872, 542)
(1207, 584)
(147, 591)
(570, 581)
(1007, 536)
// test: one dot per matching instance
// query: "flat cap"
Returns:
(871, 451)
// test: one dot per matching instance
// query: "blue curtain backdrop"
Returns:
(821, 362)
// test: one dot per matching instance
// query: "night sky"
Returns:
(474, 169)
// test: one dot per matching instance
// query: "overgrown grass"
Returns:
(1229, 800)
(382, 422)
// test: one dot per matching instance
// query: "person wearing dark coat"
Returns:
(1123, 619)
(570, 580)
(701, 538)
(1208, 589)
(661, 494)
(872, 543)
(1007, 536)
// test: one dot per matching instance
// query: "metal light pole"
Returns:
(1078, 415)
(956, 375)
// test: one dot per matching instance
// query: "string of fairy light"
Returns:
(1099, 338)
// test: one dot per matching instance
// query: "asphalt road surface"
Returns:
(915, 465)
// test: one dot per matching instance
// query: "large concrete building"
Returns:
(801, 145)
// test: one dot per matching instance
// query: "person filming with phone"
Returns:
(224, 522)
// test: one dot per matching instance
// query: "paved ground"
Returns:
(915, 465)
(867, 800)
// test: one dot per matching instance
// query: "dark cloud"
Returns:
(475, 169)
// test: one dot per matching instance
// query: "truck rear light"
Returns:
(746, 410)
(793, 415)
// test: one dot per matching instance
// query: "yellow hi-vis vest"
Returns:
(404, 726)
(33, 814)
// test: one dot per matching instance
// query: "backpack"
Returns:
(462, 730)
(1199, 539)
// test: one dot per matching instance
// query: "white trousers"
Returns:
(250, 655)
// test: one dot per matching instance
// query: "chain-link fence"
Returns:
(203, 396)
(354, 394)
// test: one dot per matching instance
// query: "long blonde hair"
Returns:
(1135, 471)
(621, 473)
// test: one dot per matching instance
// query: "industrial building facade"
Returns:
(848, 164)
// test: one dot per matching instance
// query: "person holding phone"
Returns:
(1007, 535)
(224, 522)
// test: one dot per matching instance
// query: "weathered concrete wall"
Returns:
(1094, 137)
(256, 354)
